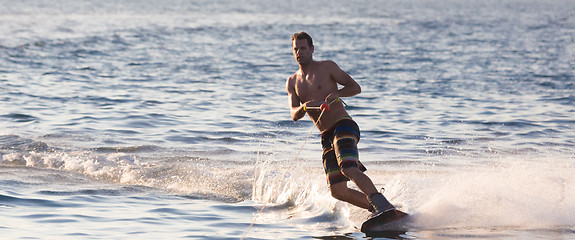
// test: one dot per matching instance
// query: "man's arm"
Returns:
(296, 108)
(350, 86)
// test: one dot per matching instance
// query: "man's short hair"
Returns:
(300, 36)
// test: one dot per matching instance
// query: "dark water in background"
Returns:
(169, 119)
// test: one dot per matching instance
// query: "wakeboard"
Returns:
(388, 222)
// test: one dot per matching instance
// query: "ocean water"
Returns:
(168, 119)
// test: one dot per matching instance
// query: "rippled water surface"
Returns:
(169, 119)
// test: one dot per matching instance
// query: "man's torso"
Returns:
(314, 86)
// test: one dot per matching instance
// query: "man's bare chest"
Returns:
(314, 86)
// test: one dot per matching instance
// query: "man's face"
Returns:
(302, 52)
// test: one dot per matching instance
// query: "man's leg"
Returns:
(345, 146)
(364, 183)
(341, 192)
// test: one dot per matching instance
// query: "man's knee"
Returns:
(339, 191)
(351, 172)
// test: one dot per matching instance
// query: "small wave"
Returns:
(92, 192)
(105, 101)
(16, 201)
(568, 101)
(20, 117)
(131, 149)
(15, 142)
(516, 123)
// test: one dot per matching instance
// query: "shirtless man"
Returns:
(315, 83)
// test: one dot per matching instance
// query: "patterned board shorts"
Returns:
(340, 150)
